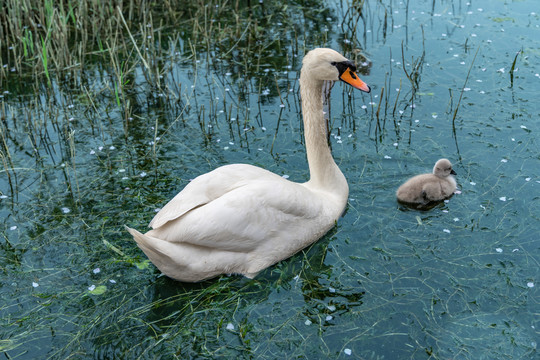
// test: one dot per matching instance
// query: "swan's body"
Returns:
(240, 218)
(426, 188)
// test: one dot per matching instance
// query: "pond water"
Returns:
(455, 79)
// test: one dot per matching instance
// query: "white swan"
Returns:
(426, 188)
(240, 218)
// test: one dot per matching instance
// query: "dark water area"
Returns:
(85, 155)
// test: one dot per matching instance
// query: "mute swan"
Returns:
(240, 219)
(425, 188)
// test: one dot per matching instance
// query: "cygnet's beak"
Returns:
(453, 172)
(354, 80)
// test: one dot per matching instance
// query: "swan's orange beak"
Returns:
(352, 79)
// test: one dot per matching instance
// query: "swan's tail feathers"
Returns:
(147, 243)
(188, 262)
(168, 258)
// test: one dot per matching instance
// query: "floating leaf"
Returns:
(141, 265)
(502, 19)
(98, 290)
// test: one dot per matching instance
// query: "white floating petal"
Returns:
(230, 326)
(499, 250)
(347, 351)
(502, 198)
(307, 322)
(96, 270)
(35, 284)
(530, 284)
(91, 287)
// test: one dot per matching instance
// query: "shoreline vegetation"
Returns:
(61, 38)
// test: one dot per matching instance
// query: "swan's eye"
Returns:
(333, 63)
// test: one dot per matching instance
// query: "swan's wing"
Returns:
(206, 188)
(248, 217)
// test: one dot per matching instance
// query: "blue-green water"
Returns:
(459, 281)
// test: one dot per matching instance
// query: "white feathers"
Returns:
(240, 218)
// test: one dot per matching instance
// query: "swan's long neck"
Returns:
(324, 173)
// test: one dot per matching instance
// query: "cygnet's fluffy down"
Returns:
(426, 188)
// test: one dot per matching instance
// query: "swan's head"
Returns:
(327, 64)
(443, 168)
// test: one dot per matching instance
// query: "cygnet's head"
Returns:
(327, 64)
(443, 168)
